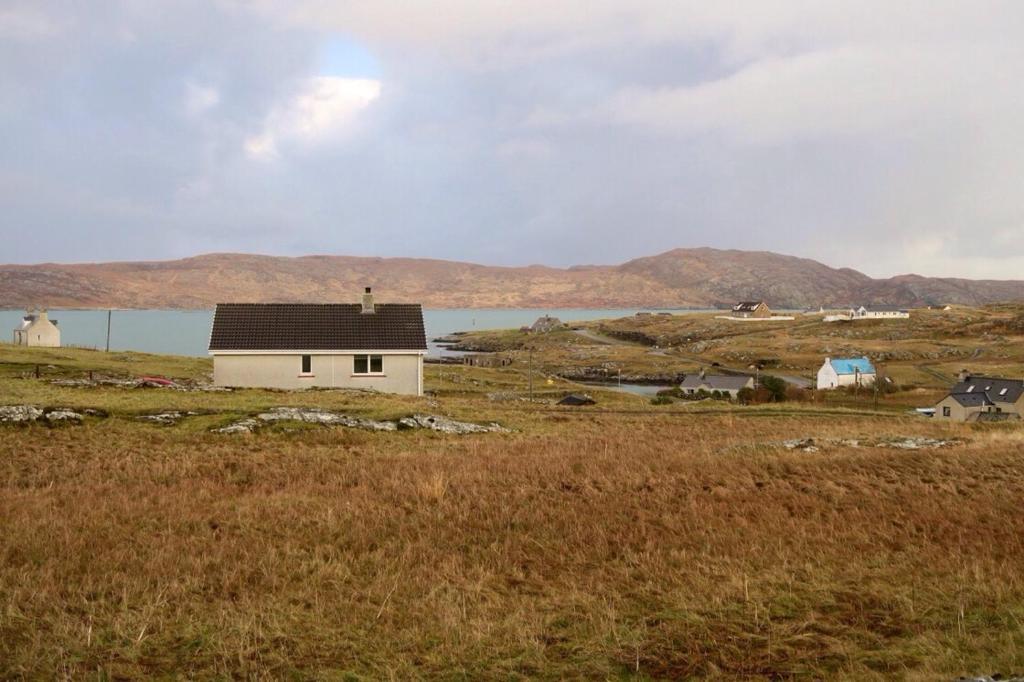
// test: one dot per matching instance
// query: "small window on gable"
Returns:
(945, 411)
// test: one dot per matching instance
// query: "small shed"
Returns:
(577, 399)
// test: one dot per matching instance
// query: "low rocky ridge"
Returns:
(900, 443)
(24, 414)
(327, 418)
(168, 418)
(140, 382)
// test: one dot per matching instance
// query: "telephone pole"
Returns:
(531, 373)
(108, 329)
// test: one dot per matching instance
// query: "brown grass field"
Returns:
(621, 541)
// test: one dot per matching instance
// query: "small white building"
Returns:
(320, 345)
(880, 312)
(37, 329)
(838, 372)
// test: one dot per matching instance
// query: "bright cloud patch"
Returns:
(324, 110)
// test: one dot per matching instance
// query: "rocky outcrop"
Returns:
(25, 414)
(898, 443)
(328, 418)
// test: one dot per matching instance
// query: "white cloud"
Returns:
(26, 23)
(323, 110)
(200, 98)
(845, 92)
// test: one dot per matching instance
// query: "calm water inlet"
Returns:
(187, 332)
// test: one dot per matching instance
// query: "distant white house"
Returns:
(880, 312)
(37, 329)
(838, 372)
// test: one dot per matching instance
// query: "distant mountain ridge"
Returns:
(700, 277)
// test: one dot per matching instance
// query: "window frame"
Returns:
(945, 411)
(306, 366)
(369, 360)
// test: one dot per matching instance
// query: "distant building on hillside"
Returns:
(981, 398)
(545, 324)
(751, 309)
(37, 329)
(320, 345)
(839, 372)
(880, 312)
(723, 383)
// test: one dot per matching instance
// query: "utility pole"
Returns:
(531, 373)
(108, 330)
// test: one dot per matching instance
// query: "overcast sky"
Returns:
(884, 136)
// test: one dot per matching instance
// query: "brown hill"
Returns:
(679, 278)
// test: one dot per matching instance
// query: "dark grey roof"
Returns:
(971, 399)
(885, 308)
(715, 382)
(577, 399)
(997, 389)
(317, 326)
(747, 306)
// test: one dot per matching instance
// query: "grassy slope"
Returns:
(588, 543)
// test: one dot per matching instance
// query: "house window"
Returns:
(369, 364)
(307, 364)
(945, 411)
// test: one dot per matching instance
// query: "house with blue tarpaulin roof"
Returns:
(838, 372)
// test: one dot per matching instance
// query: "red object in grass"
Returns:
(157, 380)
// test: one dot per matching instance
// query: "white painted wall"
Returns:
(828, 378)
(41, 333)
(403, 372)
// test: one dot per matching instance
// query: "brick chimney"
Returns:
(368, 301)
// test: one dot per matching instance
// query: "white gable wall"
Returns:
(827, 376)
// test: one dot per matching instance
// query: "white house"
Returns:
(837, 372)
(319, 345)
(880, 312)
(37, 329)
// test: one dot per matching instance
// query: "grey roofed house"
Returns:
(367, 346)
(996, 389)
(726, 383)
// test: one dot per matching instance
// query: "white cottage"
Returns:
(880, 312)
(320, 345)
(37, 329)
(838, 372)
